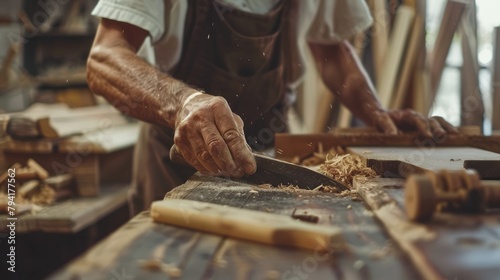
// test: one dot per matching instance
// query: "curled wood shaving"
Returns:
(344, 168)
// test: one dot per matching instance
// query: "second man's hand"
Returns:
(210, 137)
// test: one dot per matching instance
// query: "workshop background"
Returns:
(73, 151)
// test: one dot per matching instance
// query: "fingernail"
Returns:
(249, 168)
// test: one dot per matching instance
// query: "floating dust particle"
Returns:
(359, 265)
(349, 207)
(158, 265)
(220, 263)
(272, 275)
(344, 168)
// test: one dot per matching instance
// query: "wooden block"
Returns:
(26, 173)
(60, 181)
(387, 81)
(40, 171)
(245, 224)
(28, 188)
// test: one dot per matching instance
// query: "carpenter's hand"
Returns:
(393, 121)
(211, 139)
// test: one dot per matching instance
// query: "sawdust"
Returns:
(344, 168)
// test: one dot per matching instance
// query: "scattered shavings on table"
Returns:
(344, 168)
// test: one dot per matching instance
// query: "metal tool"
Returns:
(458, 191)
(276, 172)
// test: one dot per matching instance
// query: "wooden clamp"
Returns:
(460, 190)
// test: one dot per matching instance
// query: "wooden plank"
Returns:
(395, 162)
(409, 64)
(387, 81)
(495, 81)
(471, 100)
(451, 246)
(450, 21)
(380, 34)
(71, 215)
(289, 146)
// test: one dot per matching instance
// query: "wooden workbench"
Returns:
(50, 238)
(368, 252)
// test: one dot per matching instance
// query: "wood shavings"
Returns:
(344, 168)
(253, 191)
(326, 189)
(45, 196)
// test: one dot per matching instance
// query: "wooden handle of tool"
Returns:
(245, 224)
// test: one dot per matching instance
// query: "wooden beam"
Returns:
(409, 64)
(472, 106)
(380, 35)
(392, 63)
(495, 81)
(452, 15)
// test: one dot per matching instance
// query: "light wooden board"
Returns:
(289, 146)
(451, 246)
(71, 215)
(404, 161)
(367, 255)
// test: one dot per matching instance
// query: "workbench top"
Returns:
(133, 250)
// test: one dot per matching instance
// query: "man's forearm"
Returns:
(343, 74)
(135, 87)
(128, 82)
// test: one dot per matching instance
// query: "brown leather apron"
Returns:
(231, 53)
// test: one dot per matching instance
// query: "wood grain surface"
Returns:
(185, 254)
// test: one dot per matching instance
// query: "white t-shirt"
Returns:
(319, 21)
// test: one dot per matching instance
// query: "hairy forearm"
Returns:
(344, 76)
(135, 87)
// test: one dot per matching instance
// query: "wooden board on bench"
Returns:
(404, 161)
